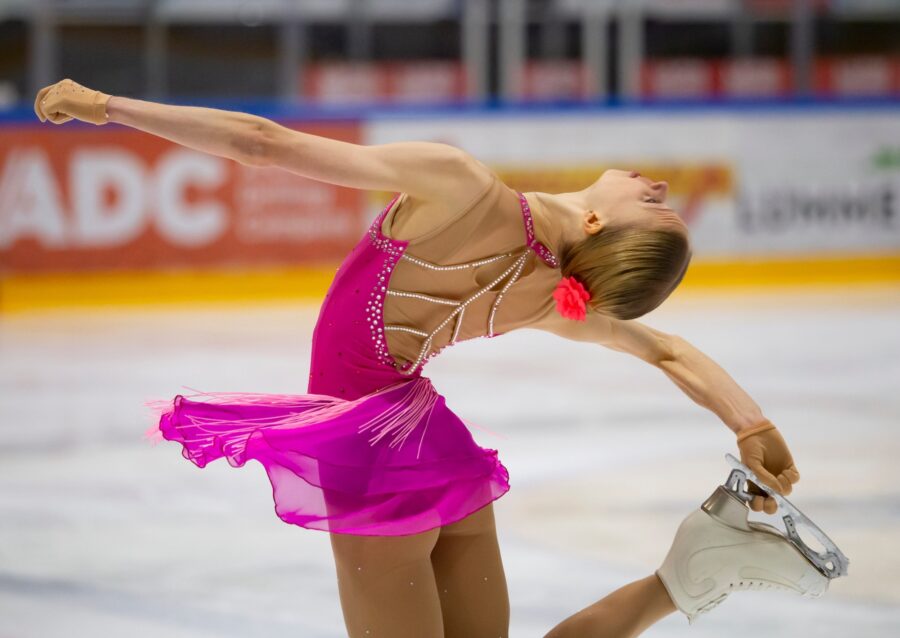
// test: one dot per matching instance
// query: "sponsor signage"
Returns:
(779, 184)
(105, 199)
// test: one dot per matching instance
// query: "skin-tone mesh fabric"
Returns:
(450, 583)
(447, 582)
(387, 585)
(470, 578)
(489, 228)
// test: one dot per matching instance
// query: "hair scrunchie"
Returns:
(571, 298)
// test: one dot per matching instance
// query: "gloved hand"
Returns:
(764, 451)
(67, 100)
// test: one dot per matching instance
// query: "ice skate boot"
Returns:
(717, 550)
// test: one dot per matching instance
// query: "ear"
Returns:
(591, 222)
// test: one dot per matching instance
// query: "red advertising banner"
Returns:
(390, 82)
(556, 79)
(83, 199)
(754, 77)
(858, 76)
(678, 78)
(866, 76)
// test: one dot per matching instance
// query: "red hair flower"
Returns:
(571, 297)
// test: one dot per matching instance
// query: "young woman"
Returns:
(372, 454)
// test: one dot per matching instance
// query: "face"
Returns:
(629, 198)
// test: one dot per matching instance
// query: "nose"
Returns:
(662, 188)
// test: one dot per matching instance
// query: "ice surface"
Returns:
(104, 535)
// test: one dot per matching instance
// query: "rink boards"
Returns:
(773, 196)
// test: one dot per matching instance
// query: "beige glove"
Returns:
(67, 100)
(764, 451)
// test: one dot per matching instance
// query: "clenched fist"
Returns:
(67, 100)
(764, 451)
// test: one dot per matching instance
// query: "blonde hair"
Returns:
(628, 271)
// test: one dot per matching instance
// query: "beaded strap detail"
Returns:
(395, 250)
(459, 306)
(375, 306)
(543, 252)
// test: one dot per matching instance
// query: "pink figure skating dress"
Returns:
(372, 448)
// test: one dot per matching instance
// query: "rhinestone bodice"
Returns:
(395, 304)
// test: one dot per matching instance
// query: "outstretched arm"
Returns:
(761, 445)
(701, 378)
(439, 173)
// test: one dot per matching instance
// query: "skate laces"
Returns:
(756, 584)
(746, 584)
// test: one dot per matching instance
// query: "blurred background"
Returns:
(131, 268)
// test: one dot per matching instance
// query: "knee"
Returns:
(560, 631)
(573, 627)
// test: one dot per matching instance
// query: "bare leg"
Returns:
(625, 613)
(470, 578)
(387, 585)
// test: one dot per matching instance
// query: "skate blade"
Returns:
(832, 562)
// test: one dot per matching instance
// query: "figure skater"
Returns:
(373, 455)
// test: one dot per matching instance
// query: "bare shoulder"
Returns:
(454, 191)
(458, 183)
(433, 171)
(629, 336)
(595, 328)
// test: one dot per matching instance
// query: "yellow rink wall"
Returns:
(21, 293)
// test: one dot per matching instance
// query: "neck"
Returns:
(557, 218)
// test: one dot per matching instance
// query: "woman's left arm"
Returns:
(701, 378)
(761, 445)
(709, 385)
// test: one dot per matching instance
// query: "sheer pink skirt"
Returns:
(393, 462)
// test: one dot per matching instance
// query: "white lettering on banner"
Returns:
(32, 207)
(260, 188)
(96, 223)
(196, 224)
(304, 228)
(30, 202)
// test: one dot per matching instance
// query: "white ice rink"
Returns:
(104, 535)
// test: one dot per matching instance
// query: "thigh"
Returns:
(470, 578)
(387, 585)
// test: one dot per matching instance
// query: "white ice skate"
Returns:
(717, 550)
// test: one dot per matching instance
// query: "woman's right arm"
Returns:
(217, 132)
(443, 175)
(428, 171)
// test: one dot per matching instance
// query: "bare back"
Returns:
(486, 245)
